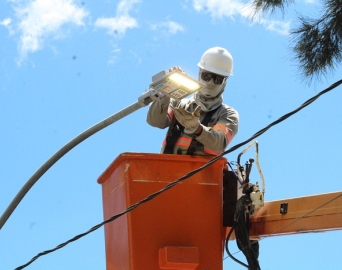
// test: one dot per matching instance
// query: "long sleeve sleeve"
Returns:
(158, 113)
(217, 136)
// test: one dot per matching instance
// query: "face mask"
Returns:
(211, 89)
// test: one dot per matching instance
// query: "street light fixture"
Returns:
(175, 84)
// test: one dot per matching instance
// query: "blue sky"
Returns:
(66, 65)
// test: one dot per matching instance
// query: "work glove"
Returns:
(176, 68)
(189, 120)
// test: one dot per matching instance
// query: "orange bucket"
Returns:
(179, 229)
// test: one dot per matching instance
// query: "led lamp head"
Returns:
(176, 84)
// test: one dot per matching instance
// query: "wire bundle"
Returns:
(250, 248)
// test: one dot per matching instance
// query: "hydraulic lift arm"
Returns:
(314, 213)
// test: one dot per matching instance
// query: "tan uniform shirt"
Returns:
(214, 138)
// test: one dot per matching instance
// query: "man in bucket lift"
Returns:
(201, 124)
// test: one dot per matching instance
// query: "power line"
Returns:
(170, 185)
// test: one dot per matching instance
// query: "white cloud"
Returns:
(6, 22)
(282, 28)
(172, 28)
(117, 25)
(219, 8)
(232, 8)
(122, 21)
(41, 19)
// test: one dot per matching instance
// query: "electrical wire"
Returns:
(170, 185)
(227, 249)
(237, 178)
(241, 230)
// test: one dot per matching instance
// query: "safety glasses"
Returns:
(207, 76)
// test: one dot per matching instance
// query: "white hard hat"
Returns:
(217, 60)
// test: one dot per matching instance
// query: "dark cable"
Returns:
(241, 230)
(150, 197)
(235, 174)
(227, 249)
(228, 252)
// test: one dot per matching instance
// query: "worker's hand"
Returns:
(187, 119)
(176, 68)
